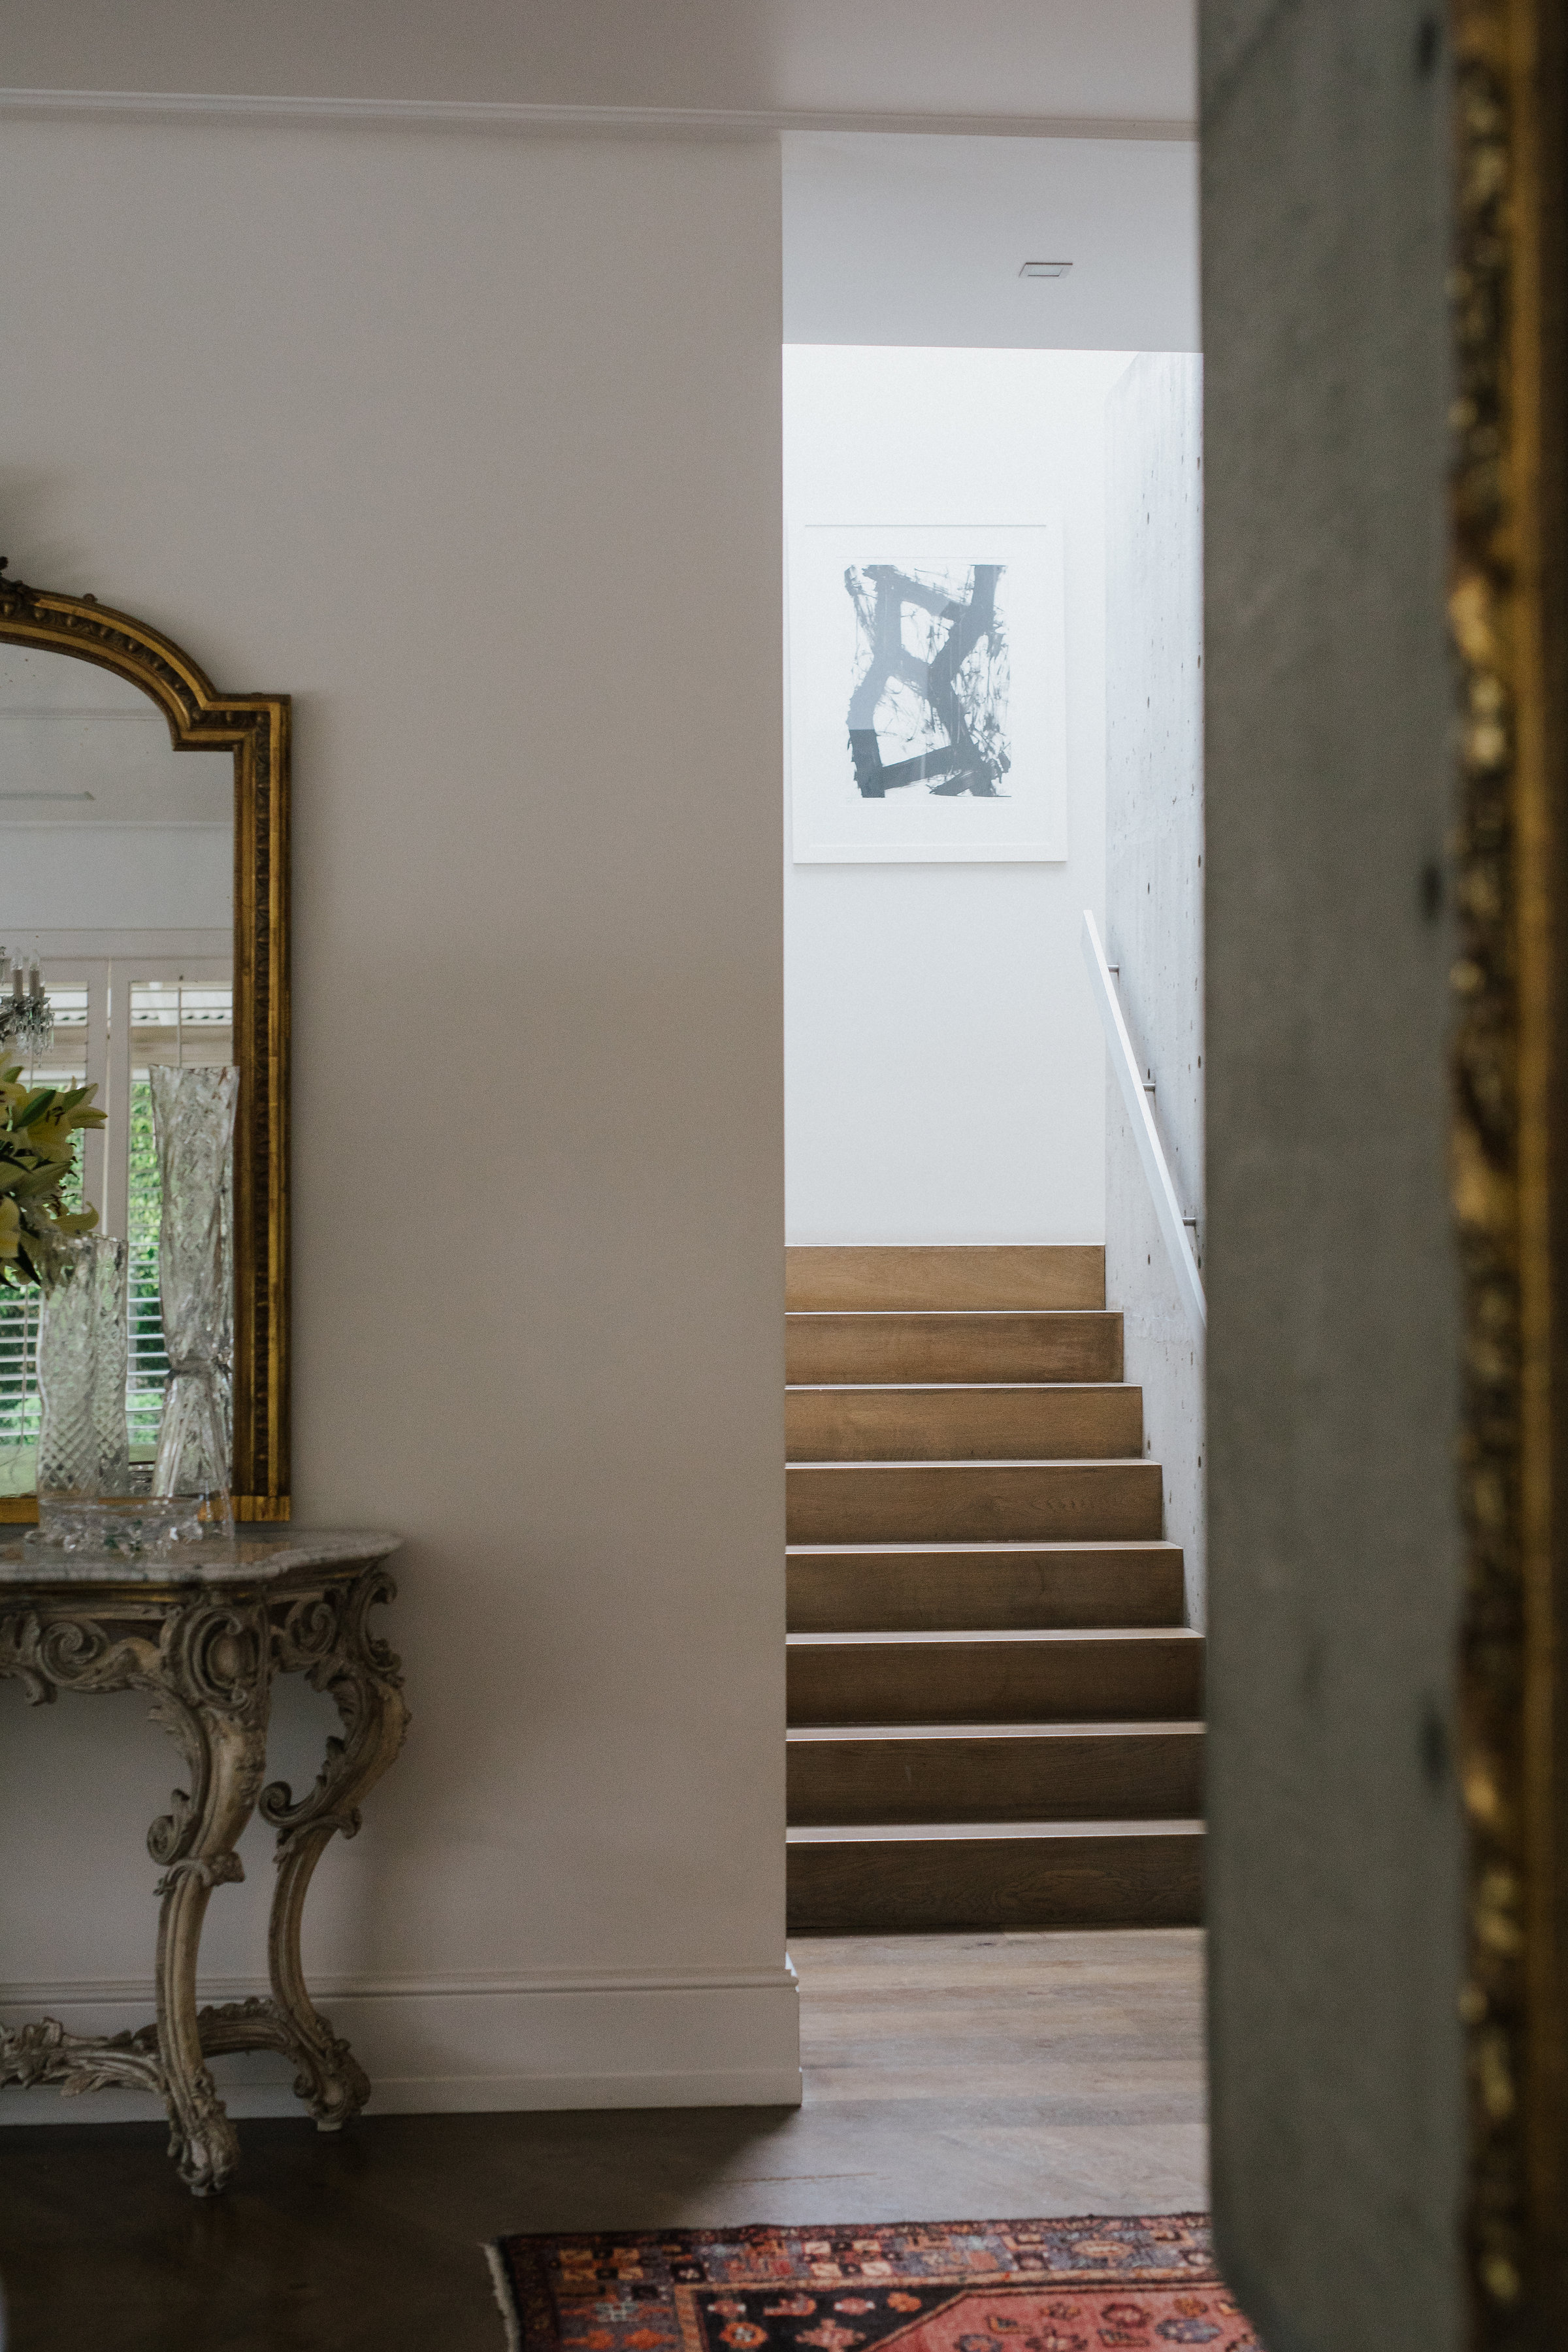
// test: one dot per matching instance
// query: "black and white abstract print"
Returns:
(927, 692)
(928, 704)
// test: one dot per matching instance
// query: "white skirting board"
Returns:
(465, 2044)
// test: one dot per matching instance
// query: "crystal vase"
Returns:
(192, 1120)
(111, 1338)
(84, 1453)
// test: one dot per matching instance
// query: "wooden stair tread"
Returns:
(834, 1588)
(1152, 1675)
(959, 1832)
(895, 1878)
(998, 1635)
(1022, 1771)
(991, 1462)
(931, 1421)
(937, 1274)
(956, 1388)
(1184, 1729)
(1049, 1547)
(959, 1344)
(1028, 1497)
(953, 1314)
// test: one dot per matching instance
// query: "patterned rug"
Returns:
(1099, 2285)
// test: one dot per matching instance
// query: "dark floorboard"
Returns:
(366, 2241)
(947, 2077)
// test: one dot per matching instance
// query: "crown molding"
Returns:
(624, 121)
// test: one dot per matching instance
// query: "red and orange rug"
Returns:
(1099, 2284)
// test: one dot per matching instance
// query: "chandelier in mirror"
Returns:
(27, 1016)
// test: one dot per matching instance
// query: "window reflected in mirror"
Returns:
(117, 879)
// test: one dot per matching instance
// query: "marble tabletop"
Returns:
(258, 1554)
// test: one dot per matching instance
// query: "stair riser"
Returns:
(838, 1425)
(1053, 1502)
(953, 1348)
(906, 1887)
(915, 1592)
(1054, 1682)
(1102, 1777)
(858, 1280)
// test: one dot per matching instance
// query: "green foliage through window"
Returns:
(148, 1369)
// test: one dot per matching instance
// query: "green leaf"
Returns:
(18, 1154)
(34, 1184)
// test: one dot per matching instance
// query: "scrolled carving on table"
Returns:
(34, 2055)
(212, 1696)
(329, 1641)
(208, 1671)
(49, 1654)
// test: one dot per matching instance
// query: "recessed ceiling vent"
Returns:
(1045, 269)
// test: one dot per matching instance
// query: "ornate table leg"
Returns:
(209, 1675)
(211, 1696)
(328, 1638)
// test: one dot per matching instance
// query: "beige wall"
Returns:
(471, 443)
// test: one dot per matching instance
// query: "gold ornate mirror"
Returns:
(144, 870)
(1508, 553)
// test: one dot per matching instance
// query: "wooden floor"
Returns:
(948, 2077)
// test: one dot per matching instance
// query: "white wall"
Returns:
(944, 1067)
(1154, 894)
(470, 444)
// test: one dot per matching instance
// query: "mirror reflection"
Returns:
(116, 888)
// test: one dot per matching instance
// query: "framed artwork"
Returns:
(928, 676)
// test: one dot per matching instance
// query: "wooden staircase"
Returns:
(994, 1708)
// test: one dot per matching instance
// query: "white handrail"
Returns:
(1145, 1134)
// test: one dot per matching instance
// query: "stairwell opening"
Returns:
(994, 1431)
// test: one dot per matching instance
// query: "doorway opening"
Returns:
(994, 778)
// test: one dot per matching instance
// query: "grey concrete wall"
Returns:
(1154, 893)
(1335, 1892)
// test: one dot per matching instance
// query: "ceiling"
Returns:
(891, 235)
(1122, 60)
(897, 240)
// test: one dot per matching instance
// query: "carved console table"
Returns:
(206, 1642)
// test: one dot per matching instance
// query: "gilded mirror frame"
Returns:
(1509, 610)
(256, 729)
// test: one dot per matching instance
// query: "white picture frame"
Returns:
(954, 635)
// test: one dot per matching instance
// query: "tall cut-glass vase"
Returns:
(83, 1446)
(68, 1345)
(110, 1271)
(193, 1122)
